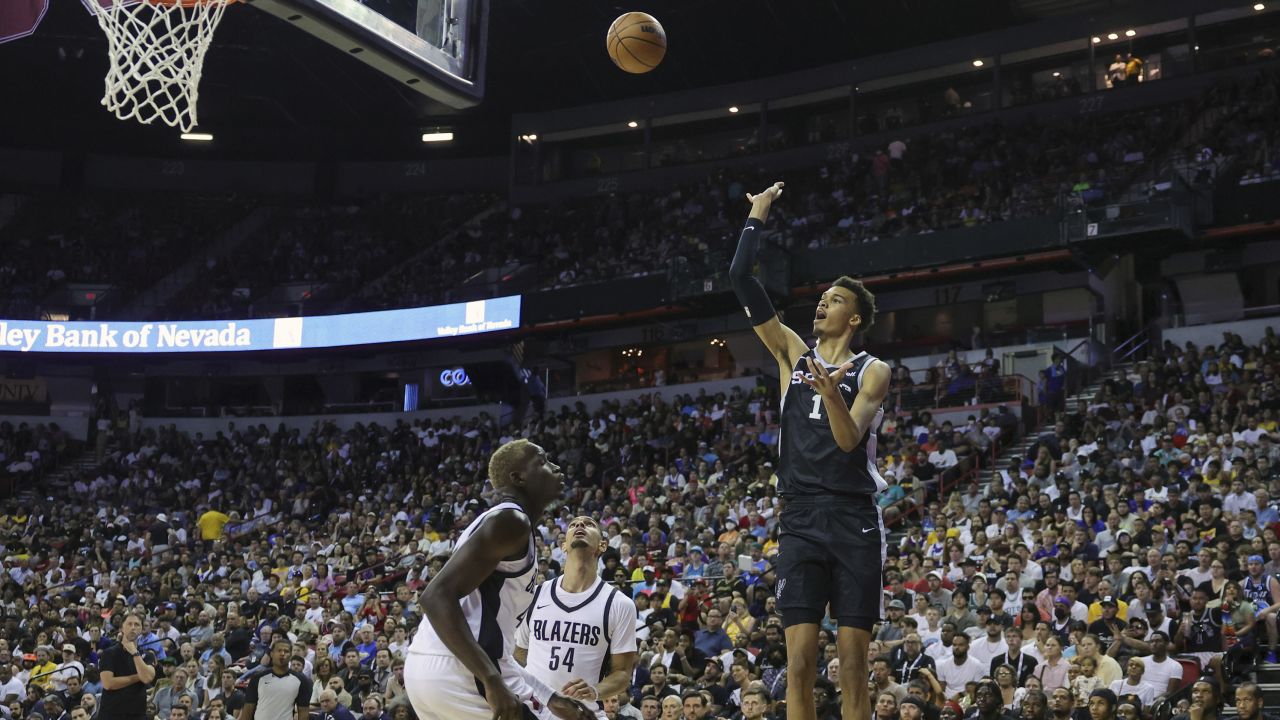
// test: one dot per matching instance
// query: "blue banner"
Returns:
(387, 326)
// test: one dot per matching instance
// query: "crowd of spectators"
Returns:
(358, 255)
(335, 248)
(127, 242)
(1136, 530)
(920, 183)
(1247, 134)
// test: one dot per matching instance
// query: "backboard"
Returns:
(19, 18)
(435, 47)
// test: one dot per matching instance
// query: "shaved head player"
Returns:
(459, 665)
(832, 542)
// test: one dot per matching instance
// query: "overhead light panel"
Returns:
(1112, 36)
(1057, 74)
(1096, 39)
(197, 137)
(978, 63)
(1130, 33)
(439, 136)
(733, 108)
(633, 124)
(1259, 7)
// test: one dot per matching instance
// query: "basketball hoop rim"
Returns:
(97, 6)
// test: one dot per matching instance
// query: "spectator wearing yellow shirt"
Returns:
(1213, 474)
(42, 671)
(211, 524)
(1133, 70)
(1106, 600)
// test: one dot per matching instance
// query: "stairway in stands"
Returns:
(58, 482)
(147, 302)
(1019, 448)
(1269, 682)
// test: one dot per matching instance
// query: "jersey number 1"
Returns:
(817, 408)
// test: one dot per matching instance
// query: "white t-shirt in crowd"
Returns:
(1158, 674)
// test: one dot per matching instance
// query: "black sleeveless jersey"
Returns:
(809, 460)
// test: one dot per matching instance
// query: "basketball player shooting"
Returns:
(579, 633)
(459, 665)
(832, 540)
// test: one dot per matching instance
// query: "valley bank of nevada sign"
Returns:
(317, 331)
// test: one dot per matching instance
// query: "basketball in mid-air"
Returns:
(636, 42)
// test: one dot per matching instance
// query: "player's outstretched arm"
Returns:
(782, 342)
(501, 535)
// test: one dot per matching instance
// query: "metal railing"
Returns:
(969, 388)
(970, 468)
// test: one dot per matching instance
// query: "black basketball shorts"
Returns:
(831, 552)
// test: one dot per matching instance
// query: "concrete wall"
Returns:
(712, 387)
(921, 362)
(305, 422)
(960, 415)
(1250, 330)
(76, 426)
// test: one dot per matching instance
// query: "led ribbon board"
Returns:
(320, 331)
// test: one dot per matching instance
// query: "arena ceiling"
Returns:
(279, 92)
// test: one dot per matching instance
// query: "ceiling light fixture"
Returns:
(1259, 7)
(197, 137)
(1112, 36)
(439, 136)
(633, 124)
(1130, 33)
(978, 63)
(733, 108)
(1096, 39)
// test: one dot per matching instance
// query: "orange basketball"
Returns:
(636, 42)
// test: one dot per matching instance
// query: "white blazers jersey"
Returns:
(571, 635)
(492, 610)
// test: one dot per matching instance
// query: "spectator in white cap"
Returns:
(70, 667)
(647, 584)
(891, 633)
(158, 538)
(937, 594)
(697, 565)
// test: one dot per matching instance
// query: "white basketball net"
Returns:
(156, 53)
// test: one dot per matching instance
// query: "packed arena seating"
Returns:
(1250, 137)
(924, 181)
(126, 241)
(339, 248)
(1141, 507)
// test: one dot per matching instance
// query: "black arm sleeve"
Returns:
(754, 299)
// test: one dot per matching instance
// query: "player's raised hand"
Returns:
(821, 381)
(769, 194)
(568, 708)
(580, 689)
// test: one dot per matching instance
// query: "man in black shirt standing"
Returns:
(125, 675)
